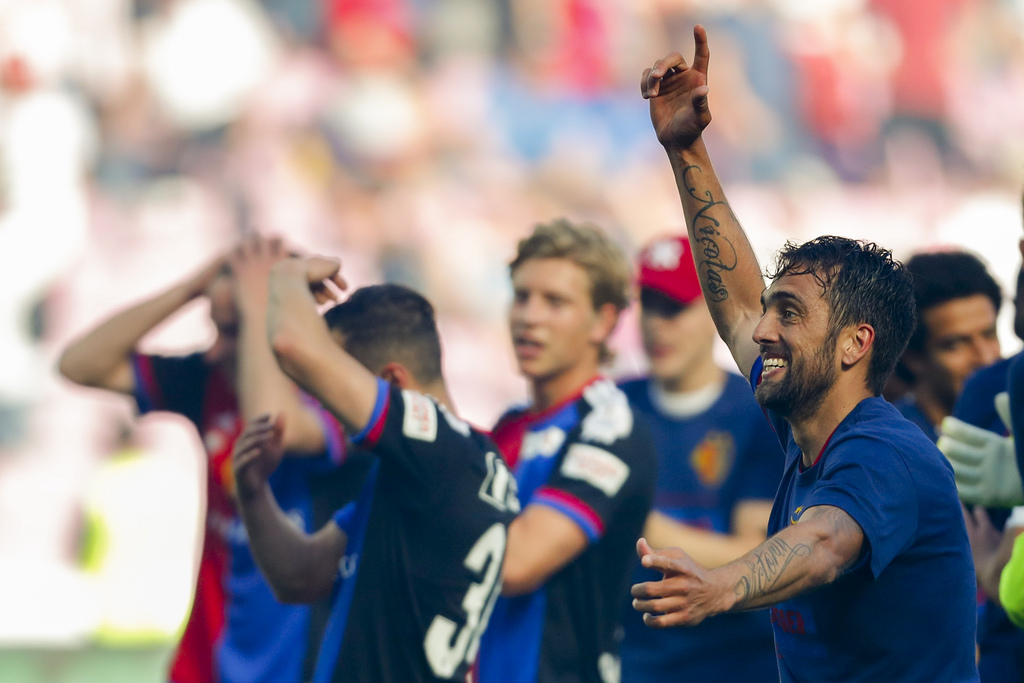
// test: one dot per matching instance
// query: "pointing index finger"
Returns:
(701, 54)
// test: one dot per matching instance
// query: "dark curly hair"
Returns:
(863, 284)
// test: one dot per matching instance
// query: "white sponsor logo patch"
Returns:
(544, 443)
(596, 466)
(420, 417)
(610, 418)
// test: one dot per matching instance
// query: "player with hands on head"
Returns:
(237, 632)
(414, 565)
(866, 526)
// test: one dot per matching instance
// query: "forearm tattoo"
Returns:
(715, 253)
(766, 565)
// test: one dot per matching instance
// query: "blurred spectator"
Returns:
(957, 303)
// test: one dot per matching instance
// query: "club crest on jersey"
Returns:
(712, 458)
(596, 466)
(420, 420)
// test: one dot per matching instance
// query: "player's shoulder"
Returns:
(634, 387)
(425, 418)
(878, 430)
(987, 382)
(608, 421)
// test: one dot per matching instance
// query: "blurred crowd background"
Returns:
(419, 140)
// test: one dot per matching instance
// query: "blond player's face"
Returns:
(552, 319)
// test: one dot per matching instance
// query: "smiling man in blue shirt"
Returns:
(867, 569)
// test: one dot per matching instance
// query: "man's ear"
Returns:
(397, 374)
(607, 319)
(855, 343)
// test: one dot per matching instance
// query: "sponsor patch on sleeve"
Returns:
(596, 466)
(420, 420)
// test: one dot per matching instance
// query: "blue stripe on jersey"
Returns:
(334, 634)
(534, 468)
(755, 372)
(585, 523)
(515, 656)
(383, 392)
(142, 386)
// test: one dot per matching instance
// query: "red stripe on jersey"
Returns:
(195, 660)
(574, 503)
(509, 432)
(373, 435)
(144, 364)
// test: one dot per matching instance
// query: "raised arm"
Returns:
(101, 358)
(299, 567)
(729, 273)
(262, 387)
(815, 551)
(303, 345)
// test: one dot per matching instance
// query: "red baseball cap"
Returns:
(666, 266)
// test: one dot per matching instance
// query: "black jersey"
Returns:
(426, 542)
(588, 459)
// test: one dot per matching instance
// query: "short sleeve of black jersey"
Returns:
(611, 463)
(172, 383)
(419, 439)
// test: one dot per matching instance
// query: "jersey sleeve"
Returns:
(416, 438)
(595, 478)
(866, 479)
(345, 517)
(334, 433)
(170, 383)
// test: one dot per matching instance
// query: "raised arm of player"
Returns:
(101, 358)
(263, 389)
(710, 548)
(299, 567)
(303, 345)
(815, 551)
(729, 273)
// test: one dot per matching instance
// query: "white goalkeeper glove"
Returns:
(984, 463)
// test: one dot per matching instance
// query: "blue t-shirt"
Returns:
(1000, 642)
(708, 463)
(906, 610)
(1015, 385)
(909, 409)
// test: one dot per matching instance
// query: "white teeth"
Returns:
(772, 363)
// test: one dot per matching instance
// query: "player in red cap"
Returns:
(719, 465)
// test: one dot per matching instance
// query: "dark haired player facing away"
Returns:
(867, 568)
(415, 563)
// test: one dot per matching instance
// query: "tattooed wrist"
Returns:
(765, 566)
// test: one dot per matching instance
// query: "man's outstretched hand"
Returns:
(679, 95)
(685, 596)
